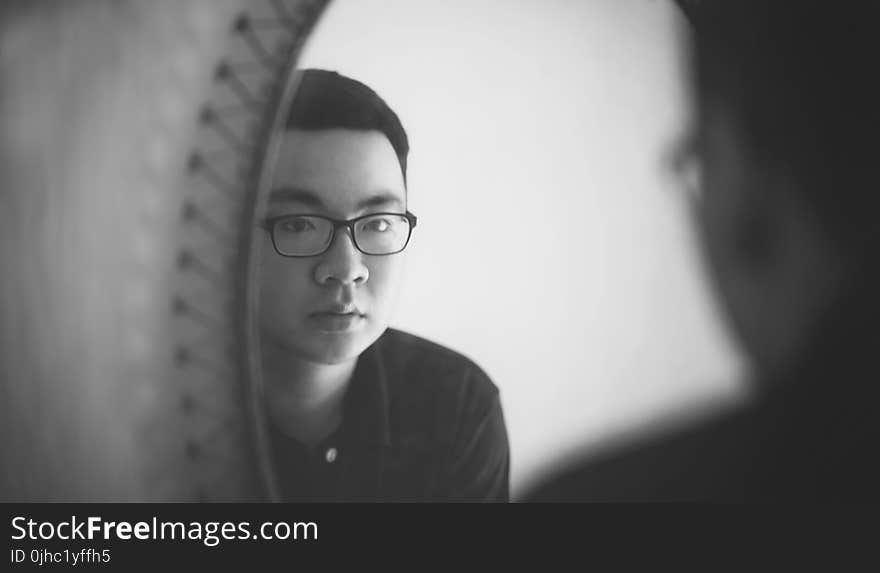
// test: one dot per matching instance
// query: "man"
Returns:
(358, 411)
(787, 209)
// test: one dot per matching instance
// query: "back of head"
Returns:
(799, 80)
(329, 100)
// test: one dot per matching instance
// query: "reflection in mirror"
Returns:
(547, 301)
(357, 411)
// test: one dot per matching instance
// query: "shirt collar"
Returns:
(366, 404)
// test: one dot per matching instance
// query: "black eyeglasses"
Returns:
(311, 235)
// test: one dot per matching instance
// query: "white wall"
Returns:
(551, 246)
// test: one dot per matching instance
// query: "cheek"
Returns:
(386, 275)
(284, 285)
(724, 206)
(726, 186)
(713, 220)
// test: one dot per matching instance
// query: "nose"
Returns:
(342, 263)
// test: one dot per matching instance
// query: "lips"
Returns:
(337, 318)
(339, 310)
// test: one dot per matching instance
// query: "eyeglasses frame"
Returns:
(270, 222)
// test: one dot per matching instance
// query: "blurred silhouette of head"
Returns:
(786, 116)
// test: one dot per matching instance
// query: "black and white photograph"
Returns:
(502, 251)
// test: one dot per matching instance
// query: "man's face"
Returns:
(329, 308)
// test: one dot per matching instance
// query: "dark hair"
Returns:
(799, 77)
(329, 100)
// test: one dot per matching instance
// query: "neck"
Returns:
(304, 399)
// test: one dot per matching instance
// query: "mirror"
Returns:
(551, 248)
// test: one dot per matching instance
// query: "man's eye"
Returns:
(376, 225)
(297, 225)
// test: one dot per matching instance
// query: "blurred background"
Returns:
(552, 247)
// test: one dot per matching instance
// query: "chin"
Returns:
(334, 348)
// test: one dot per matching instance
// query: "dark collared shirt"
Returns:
(420, 423)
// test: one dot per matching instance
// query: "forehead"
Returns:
(343, 168)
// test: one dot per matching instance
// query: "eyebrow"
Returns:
(292, 194)
(312, 199)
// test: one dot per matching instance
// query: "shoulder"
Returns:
(416, 365)
(706, 462)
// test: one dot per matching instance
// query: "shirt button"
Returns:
(331, 454)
